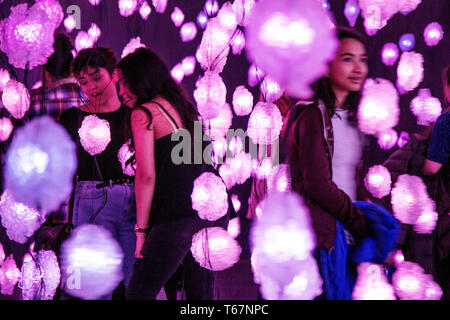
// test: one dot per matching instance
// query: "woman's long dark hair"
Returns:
(323, 90)
(148, 77)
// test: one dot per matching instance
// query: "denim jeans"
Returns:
(116, 211)
(166, 247)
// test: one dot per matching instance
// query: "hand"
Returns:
(140, 240)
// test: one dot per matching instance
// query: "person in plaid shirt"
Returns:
(62, 91)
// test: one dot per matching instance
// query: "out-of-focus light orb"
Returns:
(242, 101)
(127, 7)
(70, 23)
(351, 12)
(202, 19)
(432, 290)
(265, 123)
(145, 10)
(177, 73)
(16, 98)
(410, 70)
(218, 126)
(95, 134)
(40, 276)
(53, 10)
(235, 145)
(19, 220)
(9, 276)
(94, 2)
(398, 257)
(426, 222)
(215, 249)
(124, 154)
(132, 45)
(177, 16)
(236, 203)
(188, 31)
(6, 128)
(209, 197)
(409, 281)
(425, 107)
(407, 42)
(40, 164)
(160, 5)
(227, 16)
(211, 7)
(263, 168)
(270, 90)
(2, 254)
(387, 139)
(234, 226)
(433, 34)
(279, 179)
(378, 181)
(389, 53)
(372, 283)
(188, 65)
(91, 262)
(227, 175)
(379, 110)
(83, 41)
(4, 78)
(291, 42)
(406, 6)
(409, 198)
(403, 139)
(94, 32)
(210, 95)
(243, 10)
(241, 166)
(27, 36)
(255, 75)
(238, 42)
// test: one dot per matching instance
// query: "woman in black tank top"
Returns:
(166, 221)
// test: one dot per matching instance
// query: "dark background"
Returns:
(160, 34)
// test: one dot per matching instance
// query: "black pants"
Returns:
(167, 246)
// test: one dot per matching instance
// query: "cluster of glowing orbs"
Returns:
(26, 36)
(265, 123)
(433, 34)
(425, 107)
(131, 46)
(40, 276)
(379, 109)
(215, 249)
(95, 134)
(242, 101)
(387, 139)
(188, 31)
(9, 275)
(378, 181)
(124, 154)
(291, 42)
(40, 164)
(19, 220)
(372, 283)
(389, 53)
(16, 98)
(209, 197)
(177, 16)
(410, 70)
(6, 128)
(91, 262)
(210, 95)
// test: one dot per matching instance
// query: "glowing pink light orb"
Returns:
(124, 154)
(433, 34)
(234, 226)
(188, 31)
(425, 107)
(202, 19)
(242, 101)
(398, 257)
(70, 23)
(291, 42)
(53, 10)
(238, 42)
(4, 78)
(94, 2)
(177, 16)
(227, 16)
(255, 75)
(211, 7)
(389, 53)
(407, 42)
(160, 5)
(387, 140)
(9, 276)
(127, 7)
(235, 145)
(351, 12)
(188, 65)
(372, 283)
(218, 126)
(95, 134)
(227, 175)
(145, 10)
(432, 290)
(83, 41)
(243, 10)
(94, 32)
(279, 180)
(215, 249)
(379, 110)
(177, 73)
(409, 281)
(406, 6)
(265, 123)
(241, 166)
(426, 222)
(6, 128)
(378, 181)
(376, 13)
(131, 46)
(264, 168)
(210, 95)
(410, 70)
(209, 197)
(270, 90)
(16, 98)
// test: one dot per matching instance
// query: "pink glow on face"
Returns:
(389, 54)
(433, 34)
(188, 31)
(387, 140)
(177, 17)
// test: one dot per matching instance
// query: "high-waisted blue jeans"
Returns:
(116, 209)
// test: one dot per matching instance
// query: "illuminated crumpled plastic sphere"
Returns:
(410, 70)
(242, 101)
(16, 98)
(432, 290)
(292, 41)
(426, 222)
(270, 90)
(26, 36)
(177, 16)
(265, 123)
(4, 78)
(40, 164)
(389, 53)
(9, 276)
(215, 249)
(91, 262)
(95, 134)
(387, 139)
(379, 109)
(409, 281)
(425, 107)
(378, 181)
(433, 34)
(209, 197)
(6, 128)
(376, 13)
(132, 45)
(218, 126)
(188, 31)
(19, 220)
(124, 154)
(210, 95)
(372, 283)
(53, 10)
(243, 10)
(127, 7)
(279, 179)
(40, 276)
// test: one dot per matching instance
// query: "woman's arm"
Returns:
(145, 178)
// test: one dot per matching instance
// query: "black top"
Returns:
(108, 161)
